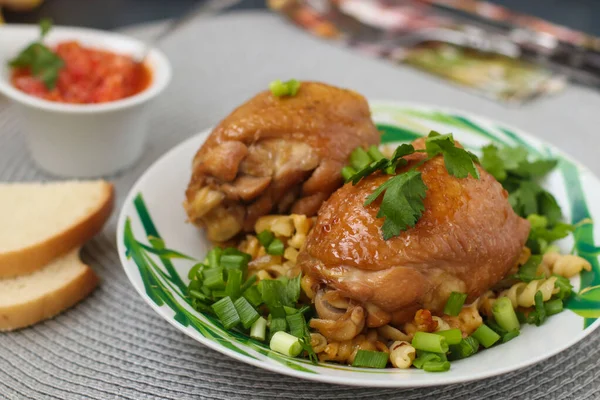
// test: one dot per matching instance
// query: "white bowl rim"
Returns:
(161, 73)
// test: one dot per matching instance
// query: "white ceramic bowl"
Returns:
(87, 140)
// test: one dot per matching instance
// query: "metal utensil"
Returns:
(207, 8)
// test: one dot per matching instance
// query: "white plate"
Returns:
(154, 206)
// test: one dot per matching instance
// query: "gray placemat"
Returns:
(113, 345)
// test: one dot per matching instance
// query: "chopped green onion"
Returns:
(553, 306)
(278, 88)
(265, 238)
(219, 294)
(438, 356)
(206, 291)
(200, 306)
(430, 342)
(275, 248)
(495, 327)
(370, 359)
(521, 317)
(293, 87)
(233, 261)
(197, 295)
(297, 324)
(510, 335)
(486, 336)
(277, 324)
(504, 314)
(374, 153)
(234, 283)
(426, 357)
(466, 348)
(249, 282)
(287, 88)
(348, 172)
(359, 158)
(247, 313)
(195, 285)
(253, 296)
(213, 278)
(258, 330)
(436, 366)
(286, 344)
(539, 308)
(453, 336)
(455, 303)
(226, 312)
(214, 257)
(194, 271)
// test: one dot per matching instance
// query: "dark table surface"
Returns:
(111, 14)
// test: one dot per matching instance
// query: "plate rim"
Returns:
(343, 380)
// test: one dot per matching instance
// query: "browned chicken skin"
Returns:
(466, 241)
(276, 154)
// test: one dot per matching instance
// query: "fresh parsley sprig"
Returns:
(43, 62)
(403, 195)
(520, 177)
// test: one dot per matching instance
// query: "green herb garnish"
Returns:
(287, 88)
(403, 195)
(520, 176)
(43, 62)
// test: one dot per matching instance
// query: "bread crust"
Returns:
(30, 259)
(49, 304)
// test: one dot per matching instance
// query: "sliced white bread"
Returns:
(26, 300)
(42, 221)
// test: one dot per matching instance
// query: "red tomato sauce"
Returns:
(88, 76)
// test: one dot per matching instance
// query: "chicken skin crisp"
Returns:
(466, 241)
(276, 154)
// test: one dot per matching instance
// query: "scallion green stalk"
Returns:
(275, 248)
(265, 238)
(258, 330)
(284, 343)
(466, 348)
(430, 342)
(424, 357)
(249, 282)
(504, 314)
(486, 336)
(453, 336)
(455, 303)
(278, 88)
(370, 359)
(198, 295)
(226, 312)
(296, 324)
(213, 278)
(233, 261)
(553, 306)
(359, 158)
(214, 256)
(436, 366)
(348, 172)
(234, 283)
(247, 313)
(510, 335)
(374, 153)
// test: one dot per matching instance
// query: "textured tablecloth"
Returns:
(113, 345)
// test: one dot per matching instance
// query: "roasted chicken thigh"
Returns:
(467, 239)
(276, 154)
